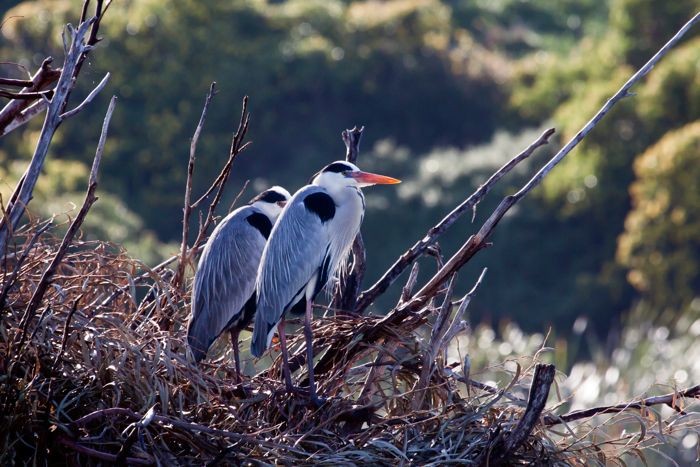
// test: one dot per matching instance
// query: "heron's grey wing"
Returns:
(225, 279)
(293, 255)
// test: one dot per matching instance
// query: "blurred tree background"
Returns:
(447, 89)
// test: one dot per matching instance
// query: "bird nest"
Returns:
(99, 372)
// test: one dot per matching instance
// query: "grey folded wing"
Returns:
(225, 279)
(294, 254)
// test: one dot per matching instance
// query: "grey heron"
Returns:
(224, 284)
(311, 238)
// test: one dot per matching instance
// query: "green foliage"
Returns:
(519, 27)
(660, 244)
(641, 26)
(321, 65)
(589, 191)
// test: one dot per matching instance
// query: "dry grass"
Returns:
(98, 383)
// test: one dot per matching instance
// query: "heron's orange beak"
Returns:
(367, 178)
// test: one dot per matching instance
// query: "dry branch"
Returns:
(237, 146)
(44, 77)
(539, 391)
(672, 400)
(348, 287)
(22, 109)
(90, 198)
(187, 208)
(54, 117)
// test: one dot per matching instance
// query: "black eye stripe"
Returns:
(337, 167)
(268, 196)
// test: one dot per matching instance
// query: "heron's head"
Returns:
(271, 201)
(341, 174)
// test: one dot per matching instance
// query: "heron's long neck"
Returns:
(350, 209)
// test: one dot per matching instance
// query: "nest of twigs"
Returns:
(100, 373)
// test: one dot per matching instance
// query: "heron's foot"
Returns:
(317, 400)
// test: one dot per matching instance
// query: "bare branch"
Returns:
(672, 400)
(179, 276)
(242, 129)
(348, 287)
(24, 190)
(352, 139)
(90, 198)
(24, 116)
(44, 77)
(370, 295)
(539, 391)
(88, 99)
(237, 146)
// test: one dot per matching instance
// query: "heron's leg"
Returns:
(310, 353)
(236, 356)
(285, 356)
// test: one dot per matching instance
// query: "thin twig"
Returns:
(178, 279)
(670, 399)
(24, 191)
(88, 99)
(350, 280)
(90, 198)
(237, 138)
(237, 146)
